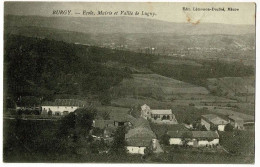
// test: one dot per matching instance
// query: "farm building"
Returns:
(102, 123)
(211, 121)
(122, 119)
(62, 106)
(115, 120)
(141, 138)
(158, 116)
(236, 122)
(109, 126)
(194, 138)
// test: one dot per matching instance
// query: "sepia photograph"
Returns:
(129, 82)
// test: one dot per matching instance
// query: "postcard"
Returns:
(129, 82)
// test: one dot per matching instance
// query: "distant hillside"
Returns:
(108, 25)
(232, 86)
(156, 86)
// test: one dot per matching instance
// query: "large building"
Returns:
(158, 116)
(213, 122)
(194, 138)
(62, 106)
(141, 138)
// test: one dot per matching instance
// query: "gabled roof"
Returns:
(178, 134)
(141, 122)
(65, 102)
(103, 123)
(235, 118)
(139, 142)
(209, 116)
(140, 132)
(139, 137)
(165, 112)
(194, 134)
(216, 120)
(145, 107)
(205, 134)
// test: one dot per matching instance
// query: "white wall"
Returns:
(135, 150)
(59, 109)
(205, 142)
(221, 127)
(176, 141)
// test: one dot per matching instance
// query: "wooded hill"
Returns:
(48, 68)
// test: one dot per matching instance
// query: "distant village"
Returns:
(140, 137)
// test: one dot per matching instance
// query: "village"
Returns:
(153, 130)
(127, 85)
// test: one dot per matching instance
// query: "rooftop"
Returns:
(193, 134)
(216, 120)
(139, 142)
(235, 118)
(103, 123)
(164, 112)
(178, 134)
(205, 134)
(65, 102)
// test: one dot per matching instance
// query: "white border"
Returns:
(257, 138)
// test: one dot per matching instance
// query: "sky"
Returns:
(171, 12)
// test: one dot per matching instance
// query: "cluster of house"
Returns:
(214, 122)
(194, 138)
(139, 136)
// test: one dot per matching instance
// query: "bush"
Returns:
(165, 139)
(229, 128)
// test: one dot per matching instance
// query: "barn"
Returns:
(62, 106)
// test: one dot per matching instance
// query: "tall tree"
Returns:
(119, 143)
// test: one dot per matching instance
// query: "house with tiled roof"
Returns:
(62, 106)
(141, 138)
(194, 138)
(236, 122)
(213, 122)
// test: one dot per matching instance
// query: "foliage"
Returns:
(238, 142)
(229, 128)
(165, 140)
(32, 69)
(198, 74)
(135, 111)
(97, 131)
(119, 143)
(104, 98)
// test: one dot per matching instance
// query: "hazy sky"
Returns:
(172, 12)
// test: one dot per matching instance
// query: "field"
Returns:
(155, 85)
(234, 87)
(174, 61)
